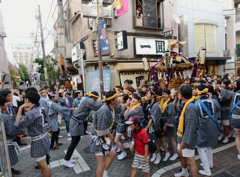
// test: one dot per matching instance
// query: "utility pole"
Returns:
(43, 48)
(99, 54)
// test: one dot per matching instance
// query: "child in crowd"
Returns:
(141, 147)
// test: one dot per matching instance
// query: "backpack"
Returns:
(152, 145)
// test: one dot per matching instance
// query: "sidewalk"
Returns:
(225, 160)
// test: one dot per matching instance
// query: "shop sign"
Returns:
(103, 38)
(148, 46)
(122, 7)
(93, 80)
(122, 40)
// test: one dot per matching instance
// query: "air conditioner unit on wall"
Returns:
(69, 47)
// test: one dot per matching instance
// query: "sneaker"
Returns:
(154, 156)
(68, 134)
(182, 173)
(122, 155)
(73, 161)
(68, 164)
(158, 159)
(166, 156)
(226, 139)
(174, 157)
(220, 137)
(204, 173)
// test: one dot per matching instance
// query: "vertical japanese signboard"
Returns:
(122, 7)
(93, 80)
(103, 37)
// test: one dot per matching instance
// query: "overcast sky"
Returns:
(19, 20)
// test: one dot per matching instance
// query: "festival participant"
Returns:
(187, 132)
(155, 123)
(235, 110)
(78, 99)
(54, 109)
(134, 107)
(141, 148)
(128, 84)
(10, 110)
(64, 100)
(77, 128)
(33, 121)
(120, 126)
(208, 130)
(11, 132)
(118, 89)
(168, 115)
(225, 103)
(101, 134)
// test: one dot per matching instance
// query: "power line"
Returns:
(48, 14)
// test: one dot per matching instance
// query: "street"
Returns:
(225, 162)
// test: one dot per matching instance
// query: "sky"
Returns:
(19, 19)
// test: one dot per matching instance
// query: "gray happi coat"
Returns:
(11, 132)
(137, 111)
(102, 122)
(191, 126)
(169, 114)
(81, 113)
(120, 121)
(34, 120)
(208, 132)
(53, 111)
(233, 97)
(44, 105)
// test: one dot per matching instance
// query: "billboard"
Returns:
(103, 38)
(122, 7)
(93, 80)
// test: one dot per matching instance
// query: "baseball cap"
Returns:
(133, 120)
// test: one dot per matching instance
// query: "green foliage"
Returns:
(24, 75)
(52, 68)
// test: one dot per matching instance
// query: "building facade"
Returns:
(144, 23)
(3, 55)
(203, 27)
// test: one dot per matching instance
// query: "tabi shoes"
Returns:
(68, 164)
(204, 173)
(122, 155)
(166, 157)
(174, 157)
(226, 139)
(158, 159)
(154, 156)
(220, 137)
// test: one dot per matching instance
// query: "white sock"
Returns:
(184, 170)
(238, 156)
(105, 172)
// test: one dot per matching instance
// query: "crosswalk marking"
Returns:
(81, 165)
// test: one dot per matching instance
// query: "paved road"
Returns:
(224, 160)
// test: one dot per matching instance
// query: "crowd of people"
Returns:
(204, 111)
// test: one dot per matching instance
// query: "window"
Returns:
(206, 37)
(148, 13)
(238, 13)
